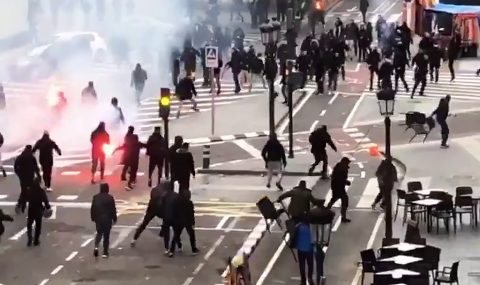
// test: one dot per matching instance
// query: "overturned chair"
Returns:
(420, 124)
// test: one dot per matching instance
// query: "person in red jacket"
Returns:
(99, 139)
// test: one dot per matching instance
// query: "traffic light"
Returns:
(164, 110)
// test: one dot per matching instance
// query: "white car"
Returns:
(42, 61)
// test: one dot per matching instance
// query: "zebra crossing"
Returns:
(251, 39)
(464, 87)
(147, 116)
(34, 90)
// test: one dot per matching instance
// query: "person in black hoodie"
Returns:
(273, 154)
(385, 73)
(46, 146)
(26, 168)
(4, 218)
(318, 140)
(132, 156)
(184, 219)
(435, 59)
(124, 162)
(373, 60)
(185, 90)
(99, 138)
(1, 163)
(420, 60)
(303, 65)
(184, 167)
(338, 183)
(442, 113)
(156, 150)
(399, 62)
(37, 203)
(235, 64)
(104, 214)
(177, 143)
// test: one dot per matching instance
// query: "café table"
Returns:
(401, 259)
(428, 203)
(404, 246)
(398, 273)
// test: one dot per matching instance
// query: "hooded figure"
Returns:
(273, 154)
(37, 203)
(156, 150)
(46, 146)
(26, 168)
(99, 139)
(318, 140)
(89, 94)
(178, 141)
(338, 183)
(126, 141)
(139, 76)
(184, 166)
(442, 113)
(184, 213)
(104, 214)
(132, 156)
(301, 198)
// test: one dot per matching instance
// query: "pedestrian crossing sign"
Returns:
(211, 56)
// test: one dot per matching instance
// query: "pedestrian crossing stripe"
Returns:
(464, 87)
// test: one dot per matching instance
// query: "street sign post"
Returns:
(211, 61)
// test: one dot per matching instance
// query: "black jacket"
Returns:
(303, 63)
(386, 70)
(26, 166)
(37, 200)
(421, 61)
(400, 59)
(170, 158)
(169, 204)
(339, 178)
(185, 89)
(184, 212)
(99, 138)
(103, 210)
(301, 198)
(274, 151)
(46, 146)
(3, 218)
(236, 62)
(1, 140)
(319, 139)
(373, 59)
(435, 57)
(183, 165)
(352, 31)
(156, 146)
(132, 151)
(442, 110)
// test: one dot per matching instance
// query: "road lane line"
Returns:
(273, 260)
(3, 197)
(312, 127)
(222, 223)
(85, 243)
(337, 224)
(323, 113)
(188, 281)
(67, 197)
(71, 256)
(232, 224)
(44, 281)
(250, 149)
(353, 111)
(369, 194)
(357, 135)
(214, 247)
(297, 108)
(363, 174)
(199, 267)
(56, 270)
(18, 235)
(369, 245)
(333, 98)
(360, 165)
(54, 213)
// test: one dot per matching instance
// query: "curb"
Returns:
(251, 172)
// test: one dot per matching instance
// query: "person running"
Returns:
(185, 90)
(338, 183)
(139, 76)
(318, 140)
(46, 146)
(37, 204)
(99, 139)
(273, 153)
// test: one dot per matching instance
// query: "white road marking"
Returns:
(369, 194)
(337, 224)
(196, 228)
(350, 130)
(323, 113)
(312, 127)
(18, 235)
(273, 260)
(121, 237)
(214, 247)
(362, 174)
(71, 256)
(67, 197)
(188, 281)
(54, 213)
(363, 140)
(199, 267)
(85, 243)
(222, 222)
(70, 173)
(333, 98)
(44, 282)
(248, 148)
(357, 135)
(360, 165)
(3, 197)
(56, 270)
(297, 108)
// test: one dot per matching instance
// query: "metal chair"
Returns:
(414, 186)
(401, 195)
(423, 129)
(445, 211)
(464, 206)
(463, 191)
(431, 258)
(447, 275)
(369, 261)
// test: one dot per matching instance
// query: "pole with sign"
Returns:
(211, 61)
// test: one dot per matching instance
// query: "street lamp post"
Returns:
(386, 105)
(270, 34)
(321, 220)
